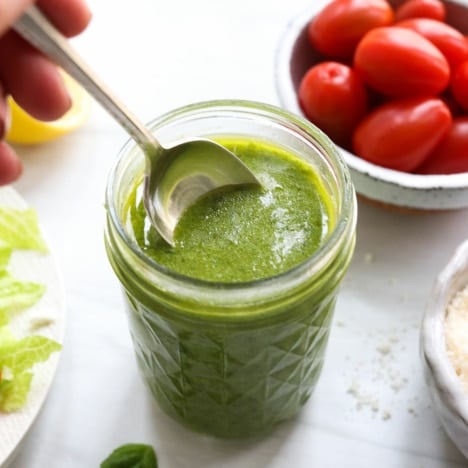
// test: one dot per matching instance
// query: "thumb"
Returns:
(10, 12)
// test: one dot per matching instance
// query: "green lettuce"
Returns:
(19, 229)
(16, 295)
(17, 358)
(5, 254)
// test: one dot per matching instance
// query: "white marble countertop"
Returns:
(370, 408)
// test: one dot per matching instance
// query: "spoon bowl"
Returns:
(174, 177)
(188, 170)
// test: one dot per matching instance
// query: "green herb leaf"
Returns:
(20, 229)
(131, 456)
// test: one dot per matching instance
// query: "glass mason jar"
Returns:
(235, 359)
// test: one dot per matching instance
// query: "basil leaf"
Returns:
(131, 456)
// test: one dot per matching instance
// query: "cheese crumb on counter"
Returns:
(456, 334)
(363, 398)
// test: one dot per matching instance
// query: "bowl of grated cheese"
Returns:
(444, 347)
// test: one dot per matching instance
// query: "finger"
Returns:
(4, 113)
(70, 16)
(32, 79)
(10, 11)
(10, 165)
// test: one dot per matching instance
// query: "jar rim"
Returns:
(346, 217)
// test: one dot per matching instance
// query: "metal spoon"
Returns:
(174, 177)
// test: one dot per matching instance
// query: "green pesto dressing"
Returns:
(249, 233)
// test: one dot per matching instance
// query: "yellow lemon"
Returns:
(27, 130)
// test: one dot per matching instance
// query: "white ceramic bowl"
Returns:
(294, 55)
(449, 398)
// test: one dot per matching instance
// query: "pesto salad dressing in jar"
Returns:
(230, 326)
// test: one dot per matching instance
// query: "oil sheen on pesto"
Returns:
(245, 234)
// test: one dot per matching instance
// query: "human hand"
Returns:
(30, 77)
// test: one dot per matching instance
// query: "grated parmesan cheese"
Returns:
(456, 334)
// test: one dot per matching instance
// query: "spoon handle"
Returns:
(39, 32)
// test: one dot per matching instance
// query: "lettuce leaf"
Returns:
(16, 295)
(6, 337)
(17, 359)
(14, 393)
(5, 254)
(19, 229)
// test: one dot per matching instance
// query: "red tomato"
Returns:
(448, 40)
(434, 9)
(459, 85)
(451, 154)
(337, 29)
(452, 104)
(401, 134)
(334, 98)
(401, 63)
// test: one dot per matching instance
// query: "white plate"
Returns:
(41, 268)
(294, 56)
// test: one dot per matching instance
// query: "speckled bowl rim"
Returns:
(429, 192)
(445, 386)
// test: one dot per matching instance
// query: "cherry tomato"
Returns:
(459, 85)
(455, 108)
(337, 29)
(334, 98)
(434, 9)
(401, 134)
(451, 154)
(401, 63)
(447, 39)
